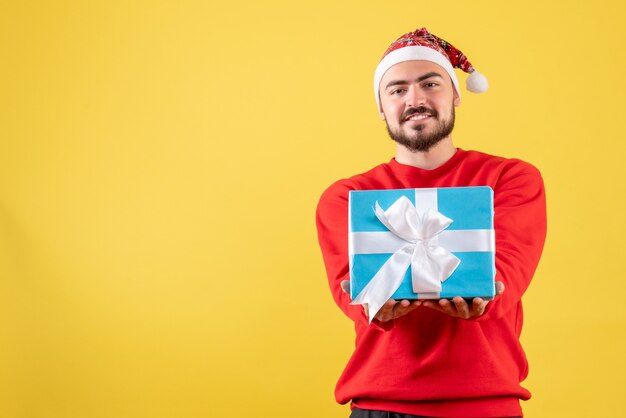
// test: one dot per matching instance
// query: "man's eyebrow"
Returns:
(417, 80)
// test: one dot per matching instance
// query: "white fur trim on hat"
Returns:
(476, 82)
(412, 53)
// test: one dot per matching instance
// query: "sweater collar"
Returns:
(405, 170)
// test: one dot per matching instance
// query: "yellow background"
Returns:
(160, 164)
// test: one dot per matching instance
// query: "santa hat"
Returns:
(424, 46)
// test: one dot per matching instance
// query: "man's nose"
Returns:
(414, 97)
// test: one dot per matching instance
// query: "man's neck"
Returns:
(427, 160)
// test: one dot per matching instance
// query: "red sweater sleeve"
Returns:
(332, 232)
(520, 225)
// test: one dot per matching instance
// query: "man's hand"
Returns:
(459, 308)
(392, 309)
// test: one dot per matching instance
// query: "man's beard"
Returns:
(417, 140)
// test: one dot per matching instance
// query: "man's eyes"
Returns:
(427, 85)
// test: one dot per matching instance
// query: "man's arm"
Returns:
(520, 225)
(332, 233)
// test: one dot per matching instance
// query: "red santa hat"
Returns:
(424, 46)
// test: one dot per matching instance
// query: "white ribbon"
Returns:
(416, 245)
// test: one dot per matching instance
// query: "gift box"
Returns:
(421, 244)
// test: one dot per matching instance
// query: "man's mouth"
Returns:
(417, 116)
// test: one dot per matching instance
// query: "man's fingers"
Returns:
(461, 307)
(447, 307)
(478, 306)
(386, 311)
(345, 286)
(458, 307)
(499, 288)
(432, 304)
(394, 309)
(404, 307)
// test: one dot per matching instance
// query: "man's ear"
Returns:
(457, 99)
(381, 112)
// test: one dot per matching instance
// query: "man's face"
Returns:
(417, 100)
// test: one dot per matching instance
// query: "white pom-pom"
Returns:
(476, 82)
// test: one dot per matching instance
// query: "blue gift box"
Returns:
(470, 238)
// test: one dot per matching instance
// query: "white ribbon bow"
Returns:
(430, 263)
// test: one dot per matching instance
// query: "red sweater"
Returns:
(426, 362)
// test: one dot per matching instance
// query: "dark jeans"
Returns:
(362, 413)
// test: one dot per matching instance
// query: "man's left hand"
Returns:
(459, 308)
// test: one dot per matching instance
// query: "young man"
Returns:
(438, 358)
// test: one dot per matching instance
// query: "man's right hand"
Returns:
(392, 309)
